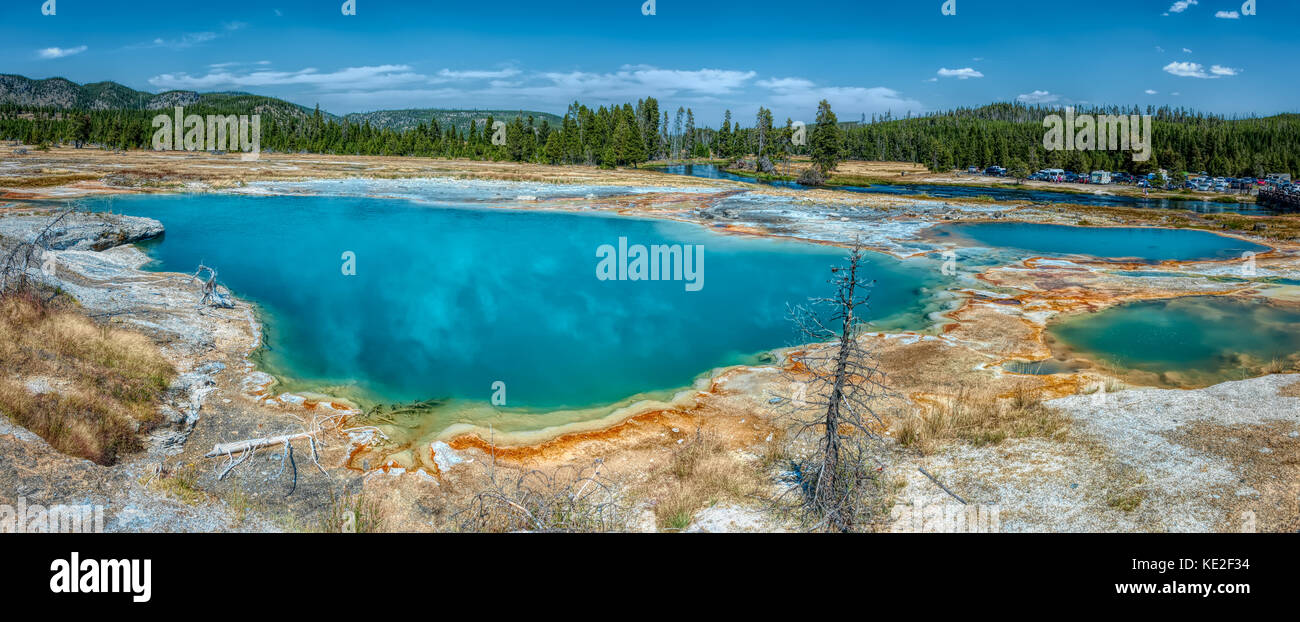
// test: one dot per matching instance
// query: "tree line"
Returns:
(1009, 135)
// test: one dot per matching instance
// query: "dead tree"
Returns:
(836, 388)
(237, 452)
(15, 271)
(211, 296)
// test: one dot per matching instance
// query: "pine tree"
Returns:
(825, 143)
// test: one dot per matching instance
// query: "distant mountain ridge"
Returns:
(65, 94)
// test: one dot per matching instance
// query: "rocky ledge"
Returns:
(80, 230)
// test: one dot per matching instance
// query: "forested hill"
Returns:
(1011, 135)
(402, 120)
(61, 94)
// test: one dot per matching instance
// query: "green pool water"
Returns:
(1192, 341)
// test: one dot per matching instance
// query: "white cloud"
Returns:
(961, 74)
(60, 52)
(1038, 97)
(477, 74)
(379, 76)
(802, 96)
(387, 86)
(1181, 5)
(707, 90)
(186, 40)
(1187, 51)
(1228, 15)
(786, 84)
(636, 81)
(1196, 70)
(1151, 92)
(1186, 69)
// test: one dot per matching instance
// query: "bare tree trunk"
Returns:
(841, 377)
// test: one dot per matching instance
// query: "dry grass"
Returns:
(566, 499)
(980, 417)
(182, 483)
(699, 473)
(48, 179)
(352, 513)
(106, 383)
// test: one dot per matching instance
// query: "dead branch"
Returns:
(211, 296)
(237, 452)
(14, 272)
(940, 484)
(226, 449)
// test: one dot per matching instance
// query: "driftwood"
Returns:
(239, 451)
(226, 449)
(210, 294)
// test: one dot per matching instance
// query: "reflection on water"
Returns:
(446, 301)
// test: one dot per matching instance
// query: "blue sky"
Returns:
(865, 56)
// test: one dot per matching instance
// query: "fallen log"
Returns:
(226, 449)
(239, 451)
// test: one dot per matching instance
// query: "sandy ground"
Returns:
(1138, 460)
